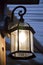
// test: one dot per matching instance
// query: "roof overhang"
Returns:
(20, 1)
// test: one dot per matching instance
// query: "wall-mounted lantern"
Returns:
(21, 38)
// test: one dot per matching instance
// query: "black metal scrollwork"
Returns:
(20, 13)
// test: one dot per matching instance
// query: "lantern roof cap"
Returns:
(20, 25)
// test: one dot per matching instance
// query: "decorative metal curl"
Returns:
(20, 13)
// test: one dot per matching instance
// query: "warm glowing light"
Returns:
(22, 36)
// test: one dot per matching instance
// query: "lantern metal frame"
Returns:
(18, 27)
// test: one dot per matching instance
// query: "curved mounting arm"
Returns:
(20, 13)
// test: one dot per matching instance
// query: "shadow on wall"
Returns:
(37, 46)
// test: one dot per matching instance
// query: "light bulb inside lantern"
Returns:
(22, 36)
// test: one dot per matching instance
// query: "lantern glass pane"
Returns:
(31, 35)
(24, 40)
(14, 43)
